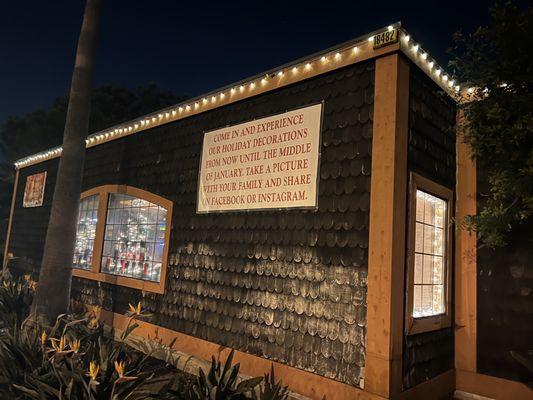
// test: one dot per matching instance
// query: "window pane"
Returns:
(134, 234)
(429, 257)
(418, 268)
(85, 233)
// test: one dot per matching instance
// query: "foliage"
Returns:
(221, 383)
(78, 359)
(74, 360)
(272, 390)
(495, 61)
(15, 301)
(110, 105)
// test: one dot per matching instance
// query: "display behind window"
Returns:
(86, 231)
(134, 238)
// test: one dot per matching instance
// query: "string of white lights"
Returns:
(331, 59)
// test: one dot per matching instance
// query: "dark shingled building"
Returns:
(362, 290)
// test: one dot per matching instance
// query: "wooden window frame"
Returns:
(94, 273)
(434, 322)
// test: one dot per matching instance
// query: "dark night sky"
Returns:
(195, 46)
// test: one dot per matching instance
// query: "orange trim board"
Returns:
(386, 249)
(492, 387)
(465, 257)
(299, 381)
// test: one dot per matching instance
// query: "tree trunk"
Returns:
(53, 290)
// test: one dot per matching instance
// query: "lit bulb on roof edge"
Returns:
(280, 73)
(390, 28)
(337, 56)
(323, 58)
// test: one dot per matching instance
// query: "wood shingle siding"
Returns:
(286, 285)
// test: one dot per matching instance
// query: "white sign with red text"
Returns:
(268, 163)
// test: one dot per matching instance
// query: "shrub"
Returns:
(73, 360)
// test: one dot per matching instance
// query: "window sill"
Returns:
(428, 324)
(153, 287)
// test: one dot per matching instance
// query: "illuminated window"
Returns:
(134, 238)
(430, 245)
(123, 237)
(428, 256)
(87, 219)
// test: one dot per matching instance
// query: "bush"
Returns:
(79, 359)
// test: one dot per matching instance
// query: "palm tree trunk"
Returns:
(53, 290)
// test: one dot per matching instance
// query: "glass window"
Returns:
(429, 255)
(134, 238)
(85, 234)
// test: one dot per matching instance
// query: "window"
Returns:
(122, 237)
(87, 219)
(134, 237)
(429, 256)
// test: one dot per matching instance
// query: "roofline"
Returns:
(338, 56)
